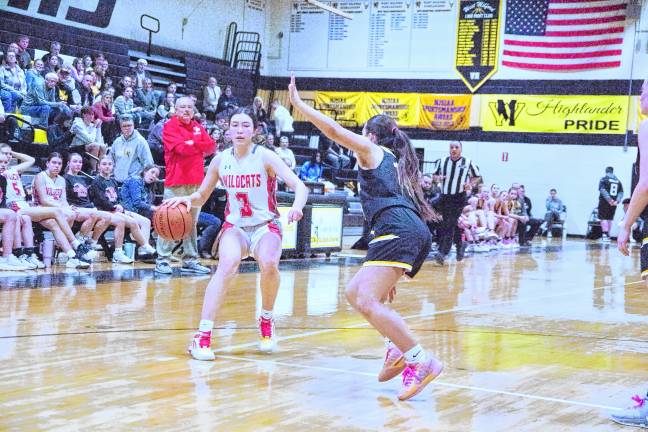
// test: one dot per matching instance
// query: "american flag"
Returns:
(564, 35)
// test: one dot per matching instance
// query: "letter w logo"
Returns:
(503, 111)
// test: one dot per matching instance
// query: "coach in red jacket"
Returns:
(186, 143)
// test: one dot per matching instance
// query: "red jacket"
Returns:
(103, 113)
(185, 162)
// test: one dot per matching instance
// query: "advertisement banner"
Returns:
(555, 114)
(326, 227)
(347, 105)
(402, 107)
(445, 112)
(288, 232)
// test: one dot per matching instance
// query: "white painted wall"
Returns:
(574, 170)
(204, 31)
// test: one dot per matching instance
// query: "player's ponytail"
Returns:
(390, 136)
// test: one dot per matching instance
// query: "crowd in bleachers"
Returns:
(107, 132)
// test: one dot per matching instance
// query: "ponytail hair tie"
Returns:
(394, 129)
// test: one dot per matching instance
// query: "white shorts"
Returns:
(252, 235)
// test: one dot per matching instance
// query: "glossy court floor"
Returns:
(549, 339)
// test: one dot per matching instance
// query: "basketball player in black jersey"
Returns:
(394, 206)
(610, 194)
(637, 415)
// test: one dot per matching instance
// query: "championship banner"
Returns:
(477, 41)
(445, 112)
(347, 105)
(555, 114)
(402, 107)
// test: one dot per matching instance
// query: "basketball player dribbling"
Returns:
(249, 174)
(394, 206)
(637, 415)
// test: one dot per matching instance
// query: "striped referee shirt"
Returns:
(455, 174)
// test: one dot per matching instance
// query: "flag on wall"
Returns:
(564, 35)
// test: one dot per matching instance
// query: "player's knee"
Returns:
(228, 267)
(268, 264)
(351, 293)
(364, 302)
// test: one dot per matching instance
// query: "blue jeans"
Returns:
(212, 226)
(10, 100)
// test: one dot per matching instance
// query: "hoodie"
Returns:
(130, 155)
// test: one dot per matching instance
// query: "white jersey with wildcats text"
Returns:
(251, 193)
(15, 189)
(54, 188)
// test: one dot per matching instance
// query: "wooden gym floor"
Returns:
(545, 340)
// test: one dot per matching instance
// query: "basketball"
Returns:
(172, 223)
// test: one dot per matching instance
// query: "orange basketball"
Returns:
(172, 223)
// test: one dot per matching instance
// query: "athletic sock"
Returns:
(75, 244)
(415, 355)
(205, 326)
(266, 315)
(19, 251)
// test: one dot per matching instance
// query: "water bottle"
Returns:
(47, 248)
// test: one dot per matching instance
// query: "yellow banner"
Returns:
(555, 114)
(402, 107)
(445, 112)
(346, 104)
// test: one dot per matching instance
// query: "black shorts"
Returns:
(399, 238)
(605, 210)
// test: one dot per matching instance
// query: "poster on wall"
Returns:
(477, 41)
(326, 227)
(341, 105)
(257, 5)
(555, 114)
(445, 112)
(402, 107)
(288, 231)
(384, 35)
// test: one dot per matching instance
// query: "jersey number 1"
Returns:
(244, 204)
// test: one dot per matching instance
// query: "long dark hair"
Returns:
(388, 135)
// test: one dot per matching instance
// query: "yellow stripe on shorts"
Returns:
(644, 241)
(388, 264)
(383, 238)
(644, 274)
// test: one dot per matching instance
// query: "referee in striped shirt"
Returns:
(458, 174)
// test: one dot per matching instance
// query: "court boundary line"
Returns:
(435, 382)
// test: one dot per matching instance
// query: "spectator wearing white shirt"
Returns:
(285, 153)
(87, 133)
(211, 94)
(282, 119)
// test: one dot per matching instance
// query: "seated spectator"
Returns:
(554, 208)
(86, 91)
(67, 93)
(217, 136)
(24, 59)
(227, 103)
(41, 102)
(531, 227)
(87, 135)
(9, 221)
(333, 158)
(59, 135)
(171, 88)
(210, 226)
(155, 141)
(167, 108)
(103, 193)
(211, 94)
(285, 153)
(55, 51)
(99, 80)
(518, 213)
(270, 142)
(311, 171)
(124, 105)
(137, 192)
(13, 86)
(146, 98)
(282, 119)
(52, 64)
(130, 152)
(77, 71)
(34, 74)
(87, 61)
(637, 226)
(140, 73)
(260, 111)
(431, 190)
(103, 111)
(123, 84)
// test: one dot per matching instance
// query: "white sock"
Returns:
(71, 254)
(118, 250)
(415, 355)
(76, 243)
(205, 326)
(266, 315)
(389, 344)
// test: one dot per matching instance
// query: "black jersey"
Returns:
(77, 190)
(3, 191)
(610, 188)
(381, 189)
(104, 193)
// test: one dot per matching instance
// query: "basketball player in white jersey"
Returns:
(249, 173)
(8, 221)
(51, 218)
(49, 190)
